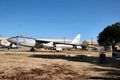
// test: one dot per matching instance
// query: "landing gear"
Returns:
(33, 49)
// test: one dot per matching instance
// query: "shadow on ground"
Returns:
(109, 62)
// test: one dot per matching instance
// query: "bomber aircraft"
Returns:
(35, 43)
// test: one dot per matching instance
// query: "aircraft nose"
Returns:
(11, 40)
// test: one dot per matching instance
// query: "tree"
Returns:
(110, 36)
(84, 45)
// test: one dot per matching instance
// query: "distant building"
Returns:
(92, 45)
(3, 41)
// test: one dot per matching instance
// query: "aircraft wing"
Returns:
(48, 41)
(42, 41)
(63, 43)
(55, 42)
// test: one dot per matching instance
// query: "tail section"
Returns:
(76, 40)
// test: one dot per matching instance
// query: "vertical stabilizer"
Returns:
(76, 40)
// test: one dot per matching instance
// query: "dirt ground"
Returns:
(67, 65)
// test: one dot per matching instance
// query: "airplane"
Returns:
(35, 43)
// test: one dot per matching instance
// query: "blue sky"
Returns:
(57, 18)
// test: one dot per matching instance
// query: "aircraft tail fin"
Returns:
(76, 40)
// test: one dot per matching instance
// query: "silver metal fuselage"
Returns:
(30, 42)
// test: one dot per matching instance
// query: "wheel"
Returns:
(33, 49)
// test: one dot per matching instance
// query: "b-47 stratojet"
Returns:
(35, 43)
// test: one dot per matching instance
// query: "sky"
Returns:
(57, 18)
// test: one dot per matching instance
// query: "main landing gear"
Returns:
(33, 49)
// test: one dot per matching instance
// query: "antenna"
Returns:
(64, 39)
